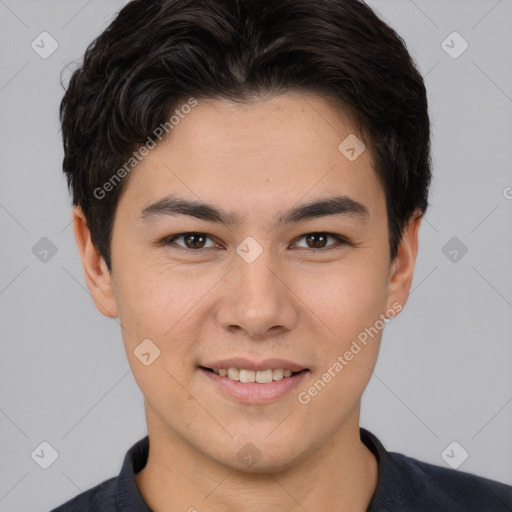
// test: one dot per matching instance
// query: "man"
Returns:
(249, 178)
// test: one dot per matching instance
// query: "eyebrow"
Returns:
(336, 205)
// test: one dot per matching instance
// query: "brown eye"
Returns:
(193, 241)
(316, 240)
(319, 240)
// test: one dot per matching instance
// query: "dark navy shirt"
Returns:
(404, 485)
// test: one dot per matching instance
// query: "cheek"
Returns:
(151, 305)
(149, 301)
(348, 298)
(349, 303)
(350, 308)
(165, 304)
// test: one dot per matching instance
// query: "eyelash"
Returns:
(341, 241)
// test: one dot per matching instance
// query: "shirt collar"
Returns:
(389, 493)
(128, 496)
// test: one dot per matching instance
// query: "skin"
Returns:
(294, 301)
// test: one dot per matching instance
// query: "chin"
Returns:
(269, 458)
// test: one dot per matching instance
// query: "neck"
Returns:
(341, 475)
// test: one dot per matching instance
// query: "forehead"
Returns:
(291, 123)
(279, 149)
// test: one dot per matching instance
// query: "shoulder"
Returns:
(406, 484)
(431, 487)
(100, 498)
(116, 493)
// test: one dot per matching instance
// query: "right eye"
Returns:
(193, 241)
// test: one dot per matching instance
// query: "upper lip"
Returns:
(247, 364)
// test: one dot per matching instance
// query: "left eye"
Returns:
(196, 241)
(319, 239)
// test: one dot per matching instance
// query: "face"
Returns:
(262, 281)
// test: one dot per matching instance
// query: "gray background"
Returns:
(444, 369)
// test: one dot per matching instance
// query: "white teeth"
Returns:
(260, 376)
(247, 375)
(233, 373)
(278, 374)
(264, 376)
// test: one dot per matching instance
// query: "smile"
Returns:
(258, 386)
(259, 376)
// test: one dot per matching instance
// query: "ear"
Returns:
(402, 267)
(97, 275)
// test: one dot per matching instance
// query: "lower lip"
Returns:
(253, 392)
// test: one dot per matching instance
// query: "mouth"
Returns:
(249, 376)
(261, 383)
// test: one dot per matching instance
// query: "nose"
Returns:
(258, 299)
